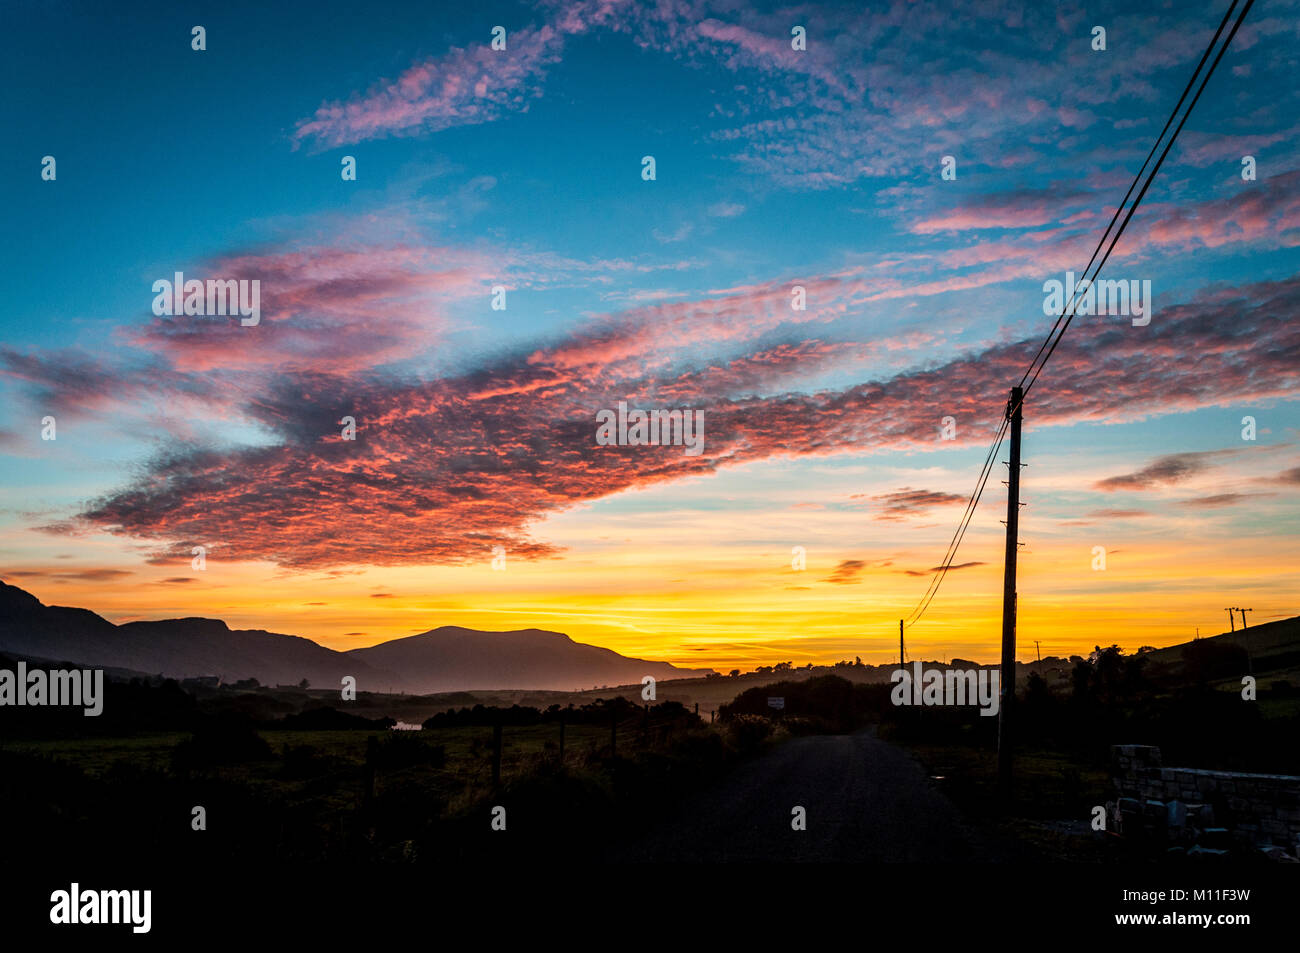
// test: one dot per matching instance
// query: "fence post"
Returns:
(496, 754)
(368, 774)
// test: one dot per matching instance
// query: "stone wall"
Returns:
(1204, 811)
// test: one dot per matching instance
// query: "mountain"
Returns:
(172, 647)
(451, 658)
(444, 659)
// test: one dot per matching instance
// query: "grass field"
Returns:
(326, 766)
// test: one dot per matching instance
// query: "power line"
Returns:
(960, 532)
(1067, 314)
(1150, 177)
(1154, 146)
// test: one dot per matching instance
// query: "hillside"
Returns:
(444, 659)
(1266, 642)
(176, 648)
(451, 658)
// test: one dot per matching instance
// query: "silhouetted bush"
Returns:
(838, 704)
(807, 726)
(748, 732)
(304, 761)
(1208, 660)
(599, 712)
(219, 740)
(406, 749)
(331, 719)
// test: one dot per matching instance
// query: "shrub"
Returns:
(406, 749)
(223, 739)
(748, 732)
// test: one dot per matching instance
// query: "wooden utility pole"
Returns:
(1007, 673)
(1039, 649)
(1232, 619)
(901, 662)
(1243, 616)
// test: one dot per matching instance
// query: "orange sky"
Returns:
(701, 584)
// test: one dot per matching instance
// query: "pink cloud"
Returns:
(325, 309)
(442, 470)
(465, 86)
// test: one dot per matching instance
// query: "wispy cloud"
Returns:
(934, 569)
(1216, 500)
(442, 470)
(465, 86)
(847, 572)
(1164, 471)
(905, 503)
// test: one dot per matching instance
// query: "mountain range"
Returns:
(448, 658)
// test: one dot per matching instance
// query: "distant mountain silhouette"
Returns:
(172, 647)
(444, 659)
(451, 658)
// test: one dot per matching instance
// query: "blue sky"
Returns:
(522, 167)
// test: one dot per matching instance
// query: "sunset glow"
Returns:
(475, 425)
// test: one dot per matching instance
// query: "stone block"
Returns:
(1214, 838)
(1200, 815)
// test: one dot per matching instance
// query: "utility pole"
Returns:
(901, 663)
(1232, 620)
(1243, 617)
(1007, 689)
(1039, 649)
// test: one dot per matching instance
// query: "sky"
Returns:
(524, 169)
